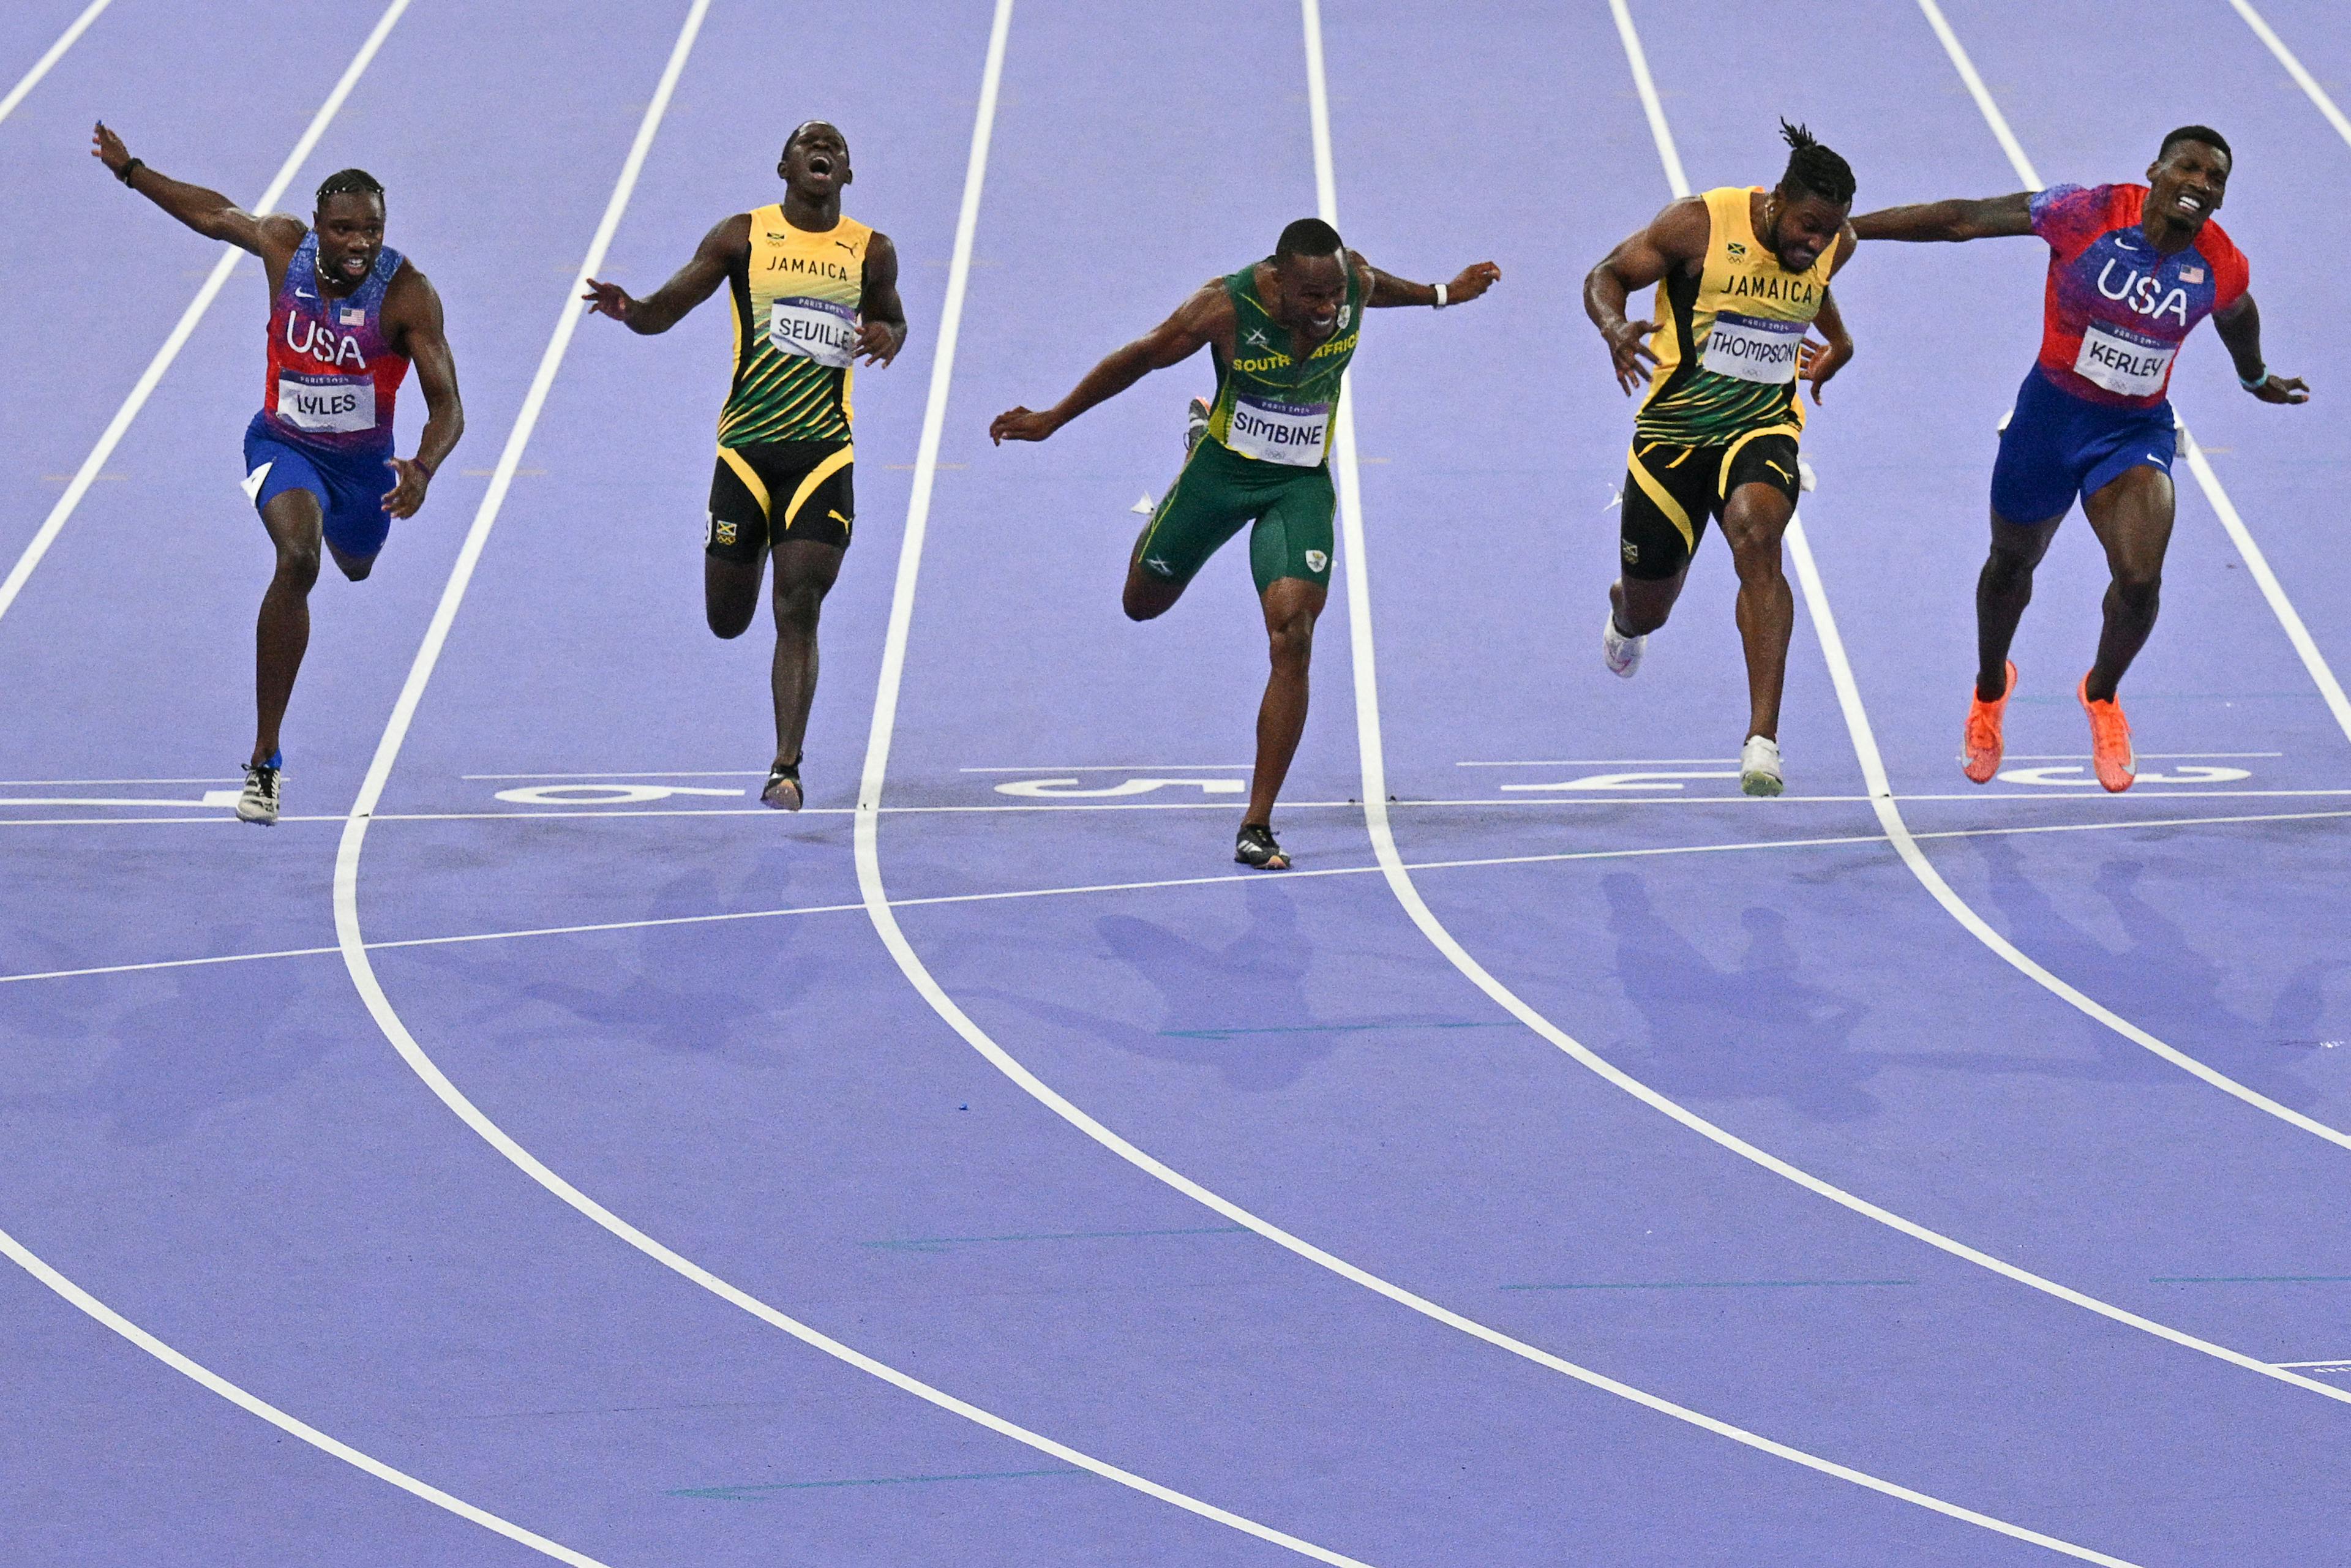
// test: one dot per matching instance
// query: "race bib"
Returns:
(1289, 433)
(327, 403)
(819, 330)
(2124, 362)
(1753, 348)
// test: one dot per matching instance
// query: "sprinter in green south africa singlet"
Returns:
(1281, 332)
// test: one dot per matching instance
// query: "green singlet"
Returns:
(1264, 456)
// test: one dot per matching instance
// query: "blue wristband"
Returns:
(2258, 382)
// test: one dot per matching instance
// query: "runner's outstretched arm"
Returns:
(1381, 289)
(208, 212)
(2239, 327)
(1676, 236)
(1206, 317)
(727, 244)
(881, 316)
(1995, 217)
(412, 312)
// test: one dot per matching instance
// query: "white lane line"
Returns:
(885, 924)
(56, 52)
(2293, 67)
(81, 783)
(2304, 646)
(354, 948)
(1144, 767)
(27, 1260)
(1872, 768)
(153, 377)
(2138, 798)
(652, 923)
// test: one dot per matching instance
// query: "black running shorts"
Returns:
(767, 494)
(1670, 492)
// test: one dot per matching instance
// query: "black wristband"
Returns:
(129, 169)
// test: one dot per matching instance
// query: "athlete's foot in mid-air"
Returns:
(1196, 424)
(1254, 846)
(1983, 744)
(2110, 741)
(1759, 767)
(783, 791)
(1620, 649)
(258, 803)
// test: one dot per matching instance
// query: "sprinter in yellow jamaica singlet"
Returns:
(1740, 276)
(813, 292)
(1281, 331)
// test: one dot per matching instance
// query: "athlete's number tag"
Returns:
(327, 403)
(1753, 348)
(819, 330)
(2124, 362)
(1289, 433)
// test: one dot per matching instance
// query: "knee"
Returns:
(2006, 569)
(797, 607)
(1757, 560)
(1292, 644)
(2139, 587)
(1142, 600)
(297, 566)
(729, 620)
(357, 570)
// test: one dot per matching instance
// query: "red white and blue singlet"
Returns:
(2117, 311)
(333, 377)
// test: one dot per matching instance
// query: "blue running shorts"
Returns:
(2058, 446)
(350, 485)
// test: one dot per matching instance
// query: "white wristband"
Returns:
(1440, 296)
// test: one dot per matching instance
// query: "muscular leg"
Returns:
(1147, 595)
(730, 593)
(1641, 604)
(1291, 604)
(805, 570)
(2003, 589)
(1752, 521)
(282, 632)
(2132, 515)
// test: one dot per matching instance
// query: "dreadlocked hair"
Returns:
(350, 183)
(1815, 168)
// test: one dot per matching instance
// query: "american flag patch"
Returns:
(355, 317)
(2191, 275)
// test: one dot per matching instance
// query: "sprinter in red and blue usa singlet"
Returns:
(348, 316)
(2132, 270)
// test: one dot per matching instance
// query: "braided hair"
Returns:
(350, 183)
(1814, 168)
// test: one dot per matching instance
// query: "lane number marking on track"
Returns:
(1623, 781)
(605, 794)
(1071, 788)
(2077, 774)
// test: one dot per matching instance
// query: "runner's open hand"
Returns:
(609, 299)
(878, 341)
(108, 149)
(1628, 345)
(1021, 424)
(2281, 389)
(1471, 281)
(1816, 362)
(407, 494)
